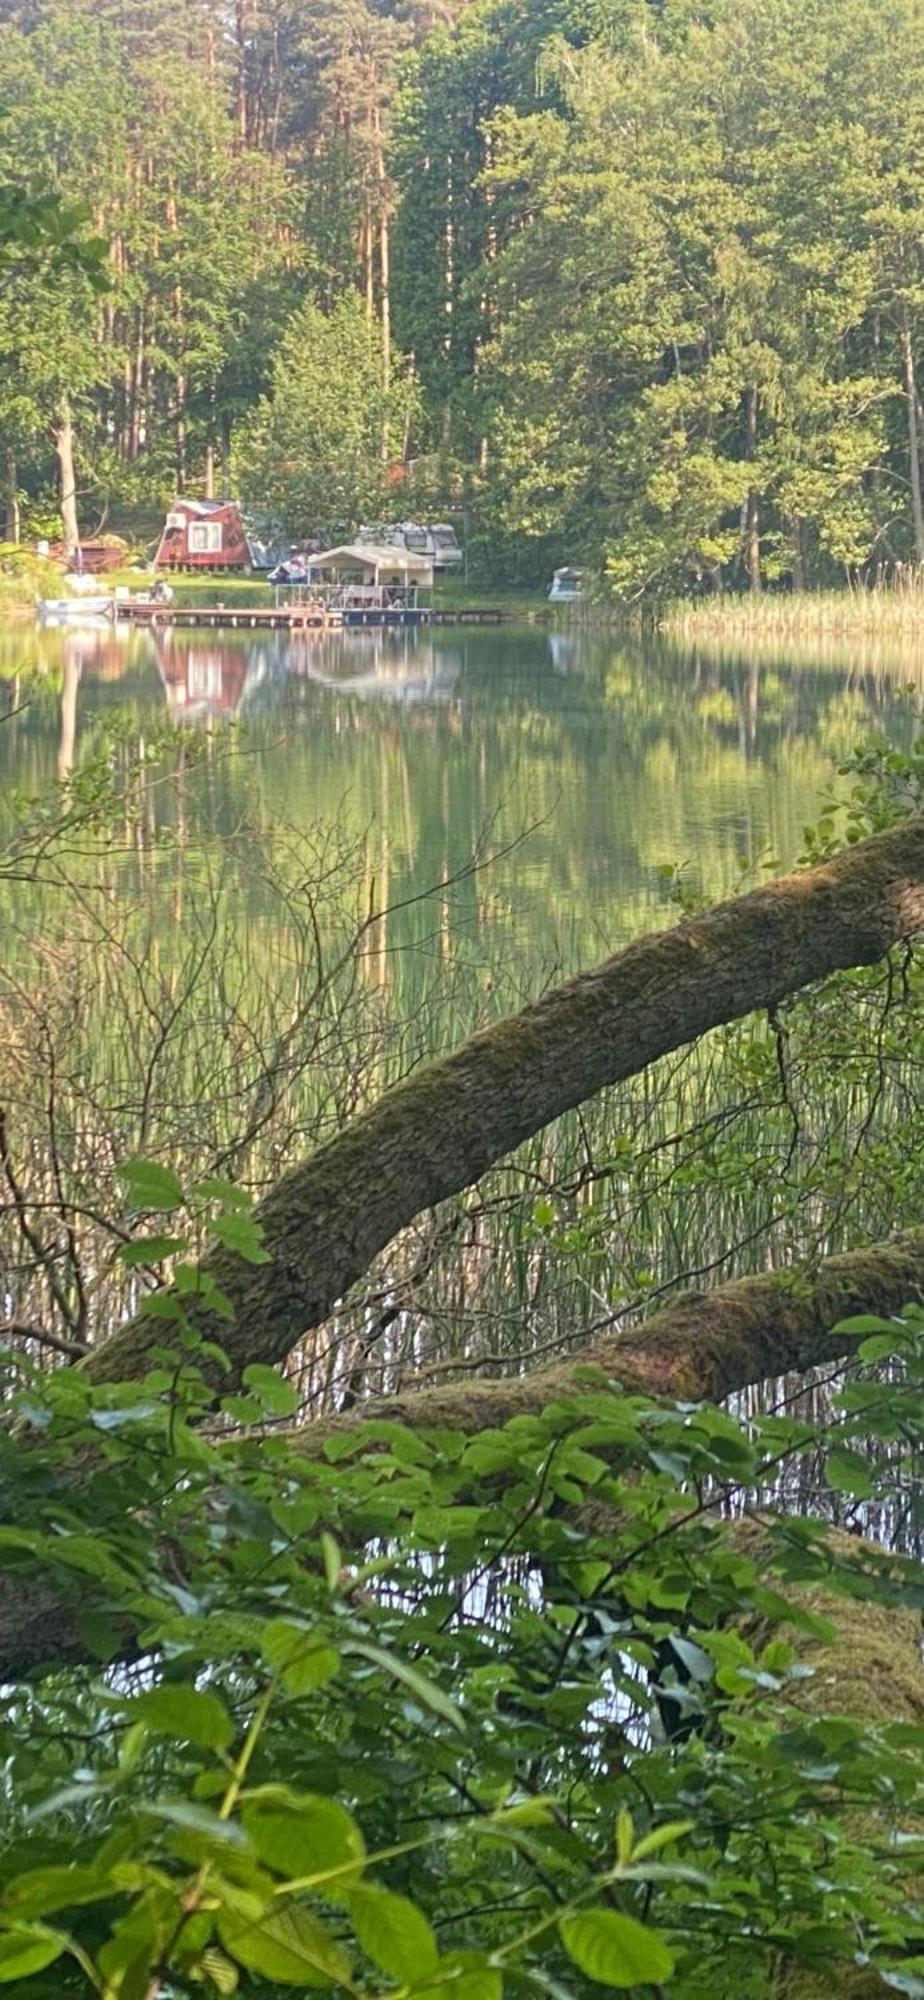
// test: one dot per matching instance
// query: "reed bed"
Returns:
(893, 611)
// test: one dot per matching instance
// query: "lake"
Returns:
(596, 761)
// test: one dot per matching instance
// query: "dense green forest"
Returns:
(628, 283)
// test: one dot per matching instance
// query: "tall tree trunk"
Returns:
(179, 412)
(385, 300)
(441, 1128)
(241, 24)
(384, 265)
(137, 385)
(368, 262)
(11, 495)
(64, 446)
(179, 433)
(210, 470)
(914, 453)
(752, 512)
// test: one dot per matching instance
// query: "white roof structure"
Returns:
(374, 564)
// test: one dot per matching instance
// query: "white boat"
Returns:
(567, 586)
(74, 610)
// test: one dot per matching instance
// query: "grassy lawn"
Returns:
(193, 589)
(449, 593)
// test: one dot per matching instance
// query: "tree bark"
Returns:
(12, 497)
(64, 446)
(914, 452)
(752, 515)
(442, 1128)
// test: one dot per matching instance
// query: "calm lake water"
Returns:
(604, 761)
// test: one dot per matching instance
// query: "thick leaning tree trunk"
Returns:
(443, 1127)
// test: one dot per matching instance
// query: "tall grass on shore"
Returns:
(887, 611)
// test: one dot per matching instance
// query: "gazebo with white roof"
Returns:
(365, 575)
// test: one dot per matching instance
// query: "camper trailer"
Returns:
(438, 542)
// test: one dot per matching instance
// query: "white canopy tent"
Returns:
(370, 567)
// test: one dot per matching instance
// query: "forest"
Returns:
(630, 283)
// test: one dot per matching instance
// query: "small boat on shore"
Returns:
(75, 610)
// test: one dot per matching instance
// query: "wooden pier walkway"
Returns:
(240, 617)
(293, 617)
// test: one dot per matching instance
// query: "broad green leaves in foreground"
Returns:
(398, 1724)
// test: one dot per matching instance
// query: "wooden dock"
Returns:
(313, 618)
(237, 617)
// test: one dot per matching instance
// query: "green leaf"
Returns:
(880, 1347)
(301, 1834)
(288, 1945)
(191, 1715)
(149, 1249)
(302, 1660)
(615, 1950)
(219, 1971)
(115, 1420)
(393, 1933)
(241, 1234)
(278, 1397)
(194, 1819)
(23, 1952)
(244, 1409)
(149, 1185)
(536, 1811)
(663, 1836)
(430, 1696)
(698, 1663)
(464, 1975)
(41, 1890)
(333, 1560)
(848, 1472)
(214, 1188)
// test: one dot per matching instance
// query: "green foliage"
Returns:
(51, 232)
(657, 277)
(315, 450)
(699, 293)
(463, 1714)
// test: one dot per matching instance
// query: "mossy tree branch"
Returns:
(703, 1346)
(442, 1128)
